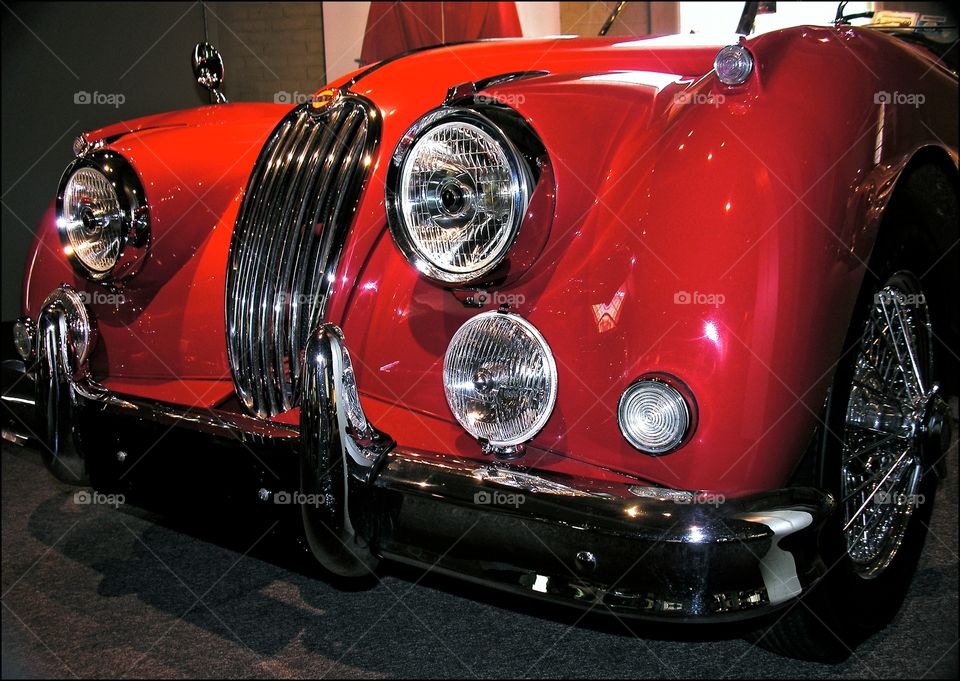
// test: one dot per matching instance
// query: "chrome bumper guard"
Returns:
(639, 551)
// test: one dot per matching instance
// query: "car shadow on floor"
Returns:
(233, 569)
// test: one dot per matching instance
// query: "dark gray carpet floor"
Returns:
(96, 591)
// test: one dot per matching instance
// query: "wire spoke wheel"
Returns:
(889, 405)
(882, 445)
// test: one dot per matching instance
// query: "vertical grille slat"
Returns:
(268, 362)
(241, 251)
(296, 230)
(290, 231)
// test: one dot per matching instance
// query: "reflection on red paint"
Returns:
(607, 314)
(710, 333)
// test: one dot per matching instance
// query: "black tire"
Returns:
(844, 608)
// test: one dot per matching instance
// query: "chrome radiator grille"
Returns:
(298, 207)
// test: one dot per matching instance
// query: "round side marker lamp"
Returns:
(655, 415)
(733, 65)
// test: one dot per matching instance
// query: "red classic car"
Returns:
(640, 325)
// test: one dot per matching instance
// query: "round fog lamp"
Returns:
(500, 379)
(83, 334)
(733, 65)
(654, 417)
(24, 335)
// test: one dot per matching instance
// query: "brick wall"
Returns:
(271, 51)
(586, 18)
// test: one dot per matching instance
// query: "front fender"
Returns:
(194, 167)
(718, 235)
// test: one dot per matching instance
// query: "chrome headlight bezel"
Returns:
(520, 179)
(135, 216)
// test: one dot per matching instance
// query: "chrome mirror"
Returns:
(208, 70)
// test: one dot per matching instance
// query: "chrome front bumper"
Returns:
(639, 551)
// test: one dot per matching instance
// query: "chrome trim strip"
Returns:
(290, 233)
(20, 400)
(469, 89)
(528, 482)
(216, 422)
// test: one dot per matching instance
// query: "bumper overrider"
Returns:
(631, 549)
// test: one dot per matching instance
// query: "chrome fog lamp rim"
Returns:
(551, 365)
(135, 228)
(400, 230)
(83, 333)
(676, 396)
(510, 445)
(25, 338)
(733, 65)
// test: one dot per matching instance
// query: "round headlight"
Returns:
(459, 196)
(92, 220)
(102, 216)
(654, 416)
(500, 379)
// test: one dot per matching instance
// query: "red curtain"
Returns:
(396, 27)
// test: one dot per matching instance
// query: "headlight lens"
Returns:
(102, 216)
(461, 198)
(500, 378)
(654, 416)
(92, 220)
